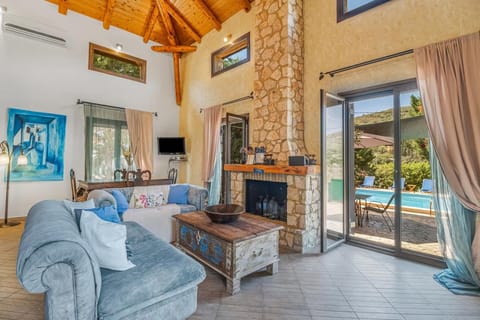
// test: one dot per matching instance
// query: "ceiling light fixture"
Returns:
(119, 47)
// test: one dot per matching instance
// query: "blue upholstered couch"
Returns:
(54, 259)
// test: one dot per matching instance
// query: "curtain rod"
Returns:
(250, 96)
(365, 63)
(106, 105)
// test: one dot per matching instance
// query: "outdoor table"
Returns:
(359, 197)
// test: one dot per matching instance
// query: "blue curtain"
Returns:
(456, 229)
(215, 187)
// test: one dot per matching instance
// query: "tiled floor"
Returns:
(347, 283)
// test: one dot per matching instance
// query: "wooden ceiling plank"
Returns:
(177, 49)
(150, 23)
(176, 72)
(108, 14)
(63, 6)
(205, 9)
(247, 5)
(181, 20)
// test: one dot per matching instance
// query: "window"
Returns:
(232, 55)
(115, 63)
(349, 8)
(106, 142)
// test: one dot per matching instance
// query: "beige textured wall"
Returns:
(200, 90)
(392, 27)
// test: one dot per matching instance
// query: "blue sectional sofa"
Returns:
(54, 259)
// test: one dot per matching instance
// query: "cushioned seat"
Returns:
(187, 208)
(156, 277)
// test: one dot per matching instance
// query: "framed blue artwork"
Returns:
(41, 138)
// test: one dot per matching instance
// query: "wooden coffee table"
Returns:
(234, 250)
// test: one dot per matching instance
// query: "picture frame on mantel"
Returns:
(41, 138)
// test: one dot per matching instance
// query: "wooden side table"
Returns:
(234, 250)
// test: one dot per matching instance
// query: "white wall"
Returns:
(47, 78)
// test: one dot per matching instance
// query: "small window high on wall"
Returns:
(349, 8)
(117, 64)
(232, 55)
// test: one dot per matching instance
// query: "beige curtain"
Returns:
(448, 75)
(140, 131)
(211, 138)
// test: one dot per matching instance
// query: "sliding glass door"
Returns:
(334, 207)
(390, 170)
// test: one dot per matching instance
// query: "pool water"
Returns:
(414, 200)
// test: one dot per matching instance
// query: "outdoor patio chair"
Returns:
(427, 185)
(382, 209)
(402, 184)
(368, 181)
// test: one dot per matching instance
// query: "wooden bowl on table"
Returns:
(224, 213)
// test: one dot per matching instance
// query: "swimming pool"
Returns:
(413, 200)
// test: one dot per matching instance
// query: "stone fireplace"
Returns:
(278, 123)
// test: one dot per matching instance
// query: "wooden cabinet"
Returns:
(234, 250)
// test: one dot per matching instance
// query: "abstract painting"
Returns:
(41, 138)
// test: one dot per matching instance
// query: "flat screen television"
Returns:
(171, 145)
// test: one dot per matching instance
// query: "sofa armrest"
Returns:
(64, 271)
(197, 196)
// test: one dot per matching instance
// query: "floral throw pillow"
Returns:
(147, 200)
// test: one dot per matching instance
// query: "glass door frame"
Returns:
(324, 247)
(395, 89)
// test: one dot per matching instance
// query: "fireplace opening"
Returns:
(267, 199)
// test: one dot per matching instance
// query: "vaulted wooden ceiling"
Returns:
(174, 24)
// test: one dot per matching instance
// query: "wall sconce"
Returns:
(119, 47)
(227, 38)
(6, 159)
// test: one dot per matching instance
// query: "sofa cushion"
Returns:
(102, 198)
(107, 213)
(161, 272)
(148, 196)
(107, 240)
(72, 205)
(122, 203)
(178, 194)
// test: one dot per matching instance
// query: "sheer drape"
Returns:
(211, 138)
(448, 78)
(215, 187)
(140, 130)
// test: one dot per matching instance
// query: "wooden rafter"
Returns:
(247, 5)
(63, 6)
(181, 20)
(150, 22)
(205, 9)
(172, 49)
(107, 17)
(173, 41)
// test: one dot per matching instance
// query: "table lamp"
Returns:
(6, 159)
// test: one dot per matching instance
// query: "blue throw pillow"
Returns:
(178, 194)
(122, 203)
(106, 213)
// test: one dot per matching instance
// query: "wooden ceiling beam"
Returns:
(63, 6)
(107, 17)
(172, 40)
(172, 49)
(205, 9)
(150, 22)
(181, 20)
(247, 5)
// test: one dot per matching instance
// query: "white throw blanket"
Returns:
(157, 220)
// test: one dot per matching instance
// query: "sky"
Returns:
(353, 4)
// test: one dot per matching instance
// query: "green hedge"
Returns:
(413, 172)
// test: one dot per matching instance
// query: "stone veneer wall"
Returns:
(302, 230)
(278, 122)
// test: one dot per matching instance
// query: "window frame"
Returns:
(226, 49)
(342, 14)
(120, 56)
(118, 125)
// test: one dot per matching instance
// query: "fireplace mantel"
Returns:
(276, 169)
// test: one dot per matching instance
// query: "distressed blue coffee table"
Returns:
(235, 249)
